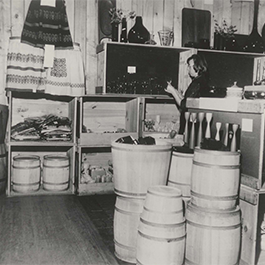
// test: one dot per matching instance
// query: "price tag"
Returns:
(48, 55)
(48, 3)
(131, 69)
(247, 125)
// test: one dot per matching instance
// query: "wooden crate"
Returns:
(104, 119)
(97, 182)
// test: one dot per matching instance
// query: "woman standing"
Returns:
(198, 72)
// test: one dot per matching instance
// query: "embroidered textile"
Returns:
(46, 25)
(25, 67)
(25, 70)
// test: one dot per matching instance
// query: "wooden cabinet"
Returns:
(23, 106)
(125, 68)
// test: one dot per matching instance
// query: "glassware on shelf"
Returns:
(115, 32)
(166, 37)
(123, 37)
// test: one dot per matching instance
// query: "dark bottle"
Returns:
(138, 33)
(114, 31)
(123, 37)
(254, 41)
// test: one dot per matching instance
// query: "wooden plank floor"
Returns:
(54, 229)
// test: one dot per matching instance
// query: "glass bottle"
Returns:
(114, 31)
(123, 37)
(138, 33)
(255, 42)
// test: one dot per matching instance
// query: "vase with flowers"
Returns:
(224, 36)
(120, 17)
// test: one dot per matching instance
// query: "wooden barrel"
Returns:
(56, 172)
(213, 237)
(3, 168)
(26, 173)
(126, 219)
(215, 179)
(161, 231)
(180, 172)
(137, 167)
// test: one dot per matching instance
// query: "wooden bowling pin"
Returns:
(199, 136)
(186, 132)
(192, 135)
(208, 128)
(226, 134)
(218, 127)
(233, 143)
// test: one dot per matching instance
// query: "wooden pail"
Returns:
(215, 179)
(138, 167)
(161, 231)
(180, 172)
(3, 168)
(213, 237)
(56, 172)
(26, 173)
(126, 219)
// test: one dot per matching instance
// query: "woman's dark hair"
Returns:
(200, 64)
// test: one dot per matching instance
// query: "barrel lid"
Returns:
(165, 191)
(216, 152)
(56, 157)
(26, 157)
(159, 146)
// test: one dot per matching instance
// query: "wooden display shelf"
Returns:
(41, 143)
(121, 64)
(24, 105)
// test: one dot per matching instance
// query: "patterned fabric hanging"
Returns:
(66, 77)
(25, 67)
(25, 71)
(46, 25)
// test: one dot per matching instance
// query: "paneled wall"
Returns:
(157, 14)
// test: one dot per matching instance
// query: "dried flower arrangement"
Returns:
(118, 14)
(224, 30)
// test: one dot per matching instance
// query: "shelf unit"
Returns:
(25, 105)
(125, 112)
(103, 119)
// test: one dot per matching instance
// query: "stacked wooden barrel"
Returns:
(161, 231)
(180, 172)
(136, 168)
(213, 217)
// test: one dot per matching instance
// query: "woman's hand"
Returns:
(170, 89)
(175, 93)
